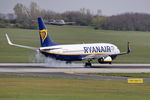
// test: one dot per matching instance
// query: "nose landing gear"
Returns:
(88, 64)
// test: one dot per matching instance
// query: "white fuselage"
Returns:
(82, 49)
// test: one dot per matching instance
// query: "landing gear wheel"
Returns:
(88, 65)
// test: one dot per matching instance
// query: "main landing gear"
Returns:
(88, 64)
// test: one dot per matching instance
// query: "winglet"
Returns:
(129, 50)
(9, 42)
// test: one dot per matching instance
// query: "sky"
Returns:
(108, 7)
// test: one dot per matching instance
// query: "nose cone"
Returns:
(117, 50)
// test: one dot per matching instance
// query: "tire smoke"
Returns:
(50, 62)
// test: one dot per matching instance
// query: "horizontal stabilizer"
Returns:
(17, 45)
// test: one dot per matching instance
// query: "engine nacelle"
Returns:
(105, 60)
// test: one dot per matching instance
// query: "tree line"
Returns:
(126, 21)
(25, 17)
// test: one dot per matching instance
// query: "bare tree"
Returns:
(21, 11)
(34, 10)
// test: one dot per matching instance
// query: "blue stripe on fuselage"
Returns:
(68, 57)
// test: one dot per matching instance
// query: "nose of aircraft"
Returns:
(117, 50)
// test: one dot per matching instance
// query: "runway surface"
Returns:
(73, 70)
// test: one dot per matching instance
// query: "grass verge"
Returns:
(20, 87)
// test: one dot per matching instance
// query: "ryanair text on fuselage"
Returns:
(98, 49)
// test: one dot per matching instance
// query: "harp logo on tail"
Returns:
(43, 34)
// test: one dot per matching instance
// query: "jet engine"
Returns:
(105, 60)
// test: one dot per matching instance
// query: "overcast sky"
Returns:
(108, 7)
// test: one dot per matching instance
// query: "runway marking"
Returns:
(135, 80)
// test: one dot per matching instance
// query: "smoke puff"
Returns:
(50, 62)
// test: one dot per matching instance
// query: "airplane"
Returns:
(102, 52)
(60, 22)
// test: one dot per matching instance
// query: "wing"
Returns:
(94, 57)
(17, 45)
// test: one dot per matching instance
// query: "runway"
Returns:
(73, 71)
(75, 68)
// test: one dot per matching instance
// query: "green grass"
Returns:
(136, 75)
(140, 42)
(20, 87)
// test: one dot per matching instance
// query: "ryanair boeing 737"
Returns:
(102, 52)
